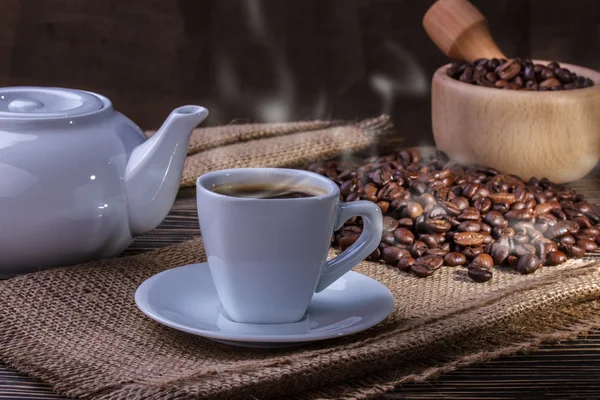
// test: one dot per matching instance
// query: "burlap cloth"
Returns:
(78, 328)
(276, 145)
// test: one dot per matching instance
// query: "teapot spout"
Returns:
(154, 169)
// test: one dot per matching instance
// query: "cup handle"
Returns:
(367, 242)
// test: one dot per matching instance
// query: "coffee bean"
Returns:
(426, 198)
(469, 226)
(479, 274)
(519, 82)
(493, 64)
(432, 261)
(437, 225)
(528, 264)
(383, 206)
(390, 192)
(351, 230)
(391, 255)
(506, 198)
(500, 207)
(352, 197)
(557, 230)
(591, 231)
(418, 249)
(566, 239)
(549, 219)
(450, 208)
(370, 189)
(472, 252)
(387, 237)
(381, 176)
(461, 202)
(547, 73)
(467, 75)
(494, 219)
(564, 75)
(482, 205)
(528, 73)
(436, 213)
(405, 222)
(413, 210)
(572, 227)
(389, 224)
(418, 187)
(554, 65)
(485, 227)
(405, 263)
(429, 240)
(469, 239)
(518, 215)
(542, 209)
(570, 86)
(521, 239)
(512, 260)
(347, 236)
(481, 62)
(507, 233)
(538, 68)
(422, 271)
(440, 251)
(509, 70)
(572, 251)
(374, 256)
(585, 223)
(348, 187)
(584, 207)
(524, 249)
(487, 238)
(499, 253)
(469, 213)
(404, 236)
(551, 246)
(454, 259)
(518, 205)
(550, 83)
(595, 218)
(556, 258)
(482, 261)
(583, 237)
(491, 77)
(587, 245)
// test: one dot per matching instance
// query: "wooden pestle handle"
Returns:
(460, 31)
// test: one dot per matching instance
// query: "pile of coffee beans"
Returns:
(517, 74)
(440, 213)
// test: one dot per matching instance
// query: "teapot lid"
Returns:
(42, 102)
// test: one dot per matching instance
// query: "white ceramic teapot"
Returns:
(78, 180)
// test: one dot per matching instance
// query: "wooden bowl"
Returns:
(543, 134)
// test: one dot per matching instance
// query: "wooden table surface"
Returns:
(570, 370)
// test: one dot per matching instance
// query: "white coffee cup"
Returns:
(268, 257)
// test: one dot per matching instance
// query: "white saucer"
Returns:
(185, 298)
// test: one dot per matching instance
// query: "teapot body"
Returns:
(62, 190)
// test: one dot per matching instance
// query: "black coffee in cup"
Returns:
(266, 191)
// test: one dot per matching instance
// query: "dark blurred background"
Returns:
(268, 60)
